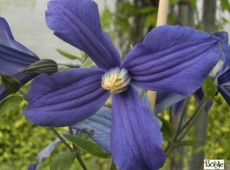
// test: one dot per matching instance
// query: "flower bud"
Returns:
(10, 83)
(43, 66)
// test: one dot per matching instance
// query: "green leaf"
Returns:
(63, 161)
(10, 103)
(88, 146)
(150, 20)
(194, 2)
(87, 64)
(166, 128)
(146, 10)
(225, 5)
(209, 87)
(68, 55)
(10, 83)
(189, 142)
(106, 18)
(173, 2)
(63, 68)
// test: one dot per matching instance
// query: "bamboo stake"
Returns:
(162, 16)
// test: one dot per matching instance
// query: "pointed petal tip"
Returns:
(5, 26)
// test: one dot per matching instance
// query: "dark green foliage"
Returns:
(88, 146)
(63, 161)
(10, 103)
(20, 140)
(209, 87)
(10, 83)
(166, 128)
(217, 144)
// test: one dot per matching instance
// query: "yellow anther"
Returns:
(116, 80)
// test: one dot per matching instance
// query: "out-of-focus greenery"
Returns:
(21, 141)
(217, 144)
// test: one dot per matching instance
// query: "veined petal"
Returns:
(224, 77)
(173, 59)
(99, 125)
(5, 26)
(165, 100)
(77, 22)
(65, 98)
(136, 138)
(225, 91)
(224, 85)
(225, 55)
(223, 36)
(13, 55)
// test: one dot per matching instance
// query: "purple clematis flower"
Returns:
(170, 59)
(13, 57)
(223, 77)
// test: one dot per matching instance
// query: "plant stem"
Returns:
(184, 130)
(78, 153)
(196, 116)
(69, 147)
(161, 20)
(62, 139)
(184, 111)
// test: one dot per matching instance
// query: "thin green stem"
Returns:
(184, 130)
(198, 113)
(62, 139)
(78, 152)
(184, 111)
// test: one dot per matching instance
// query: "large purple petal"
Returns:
(173, 59)
(65, 98)
(136, 137)
(5, 26)
(13, 55)
(223, 36)
(225, 51)
(77, 22)
(224, 77)
(224, 85)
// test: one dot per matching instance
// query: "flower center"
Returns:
(115, 80)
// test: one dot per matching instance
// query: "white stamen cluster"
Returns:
(116, 80)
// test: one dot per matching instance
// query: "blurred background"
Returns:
(127, 22)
